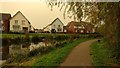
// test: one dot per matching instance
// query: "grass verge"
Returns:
(55, 57)
(101, 56)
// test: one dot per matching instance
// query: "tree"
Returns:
(109, 12)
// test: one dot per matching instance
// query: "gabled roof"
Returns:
(5, 16)
(55, 20)
(46, 26)
(78, 23)
(52, 23)
(22, 15)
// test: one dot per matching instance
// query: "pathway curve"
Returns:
(80, 55)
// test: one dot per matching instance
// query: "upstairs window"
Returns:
(58, 25)
(23, 22)
(16, 22)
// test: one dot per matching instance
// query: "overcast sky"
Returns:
(38, 13)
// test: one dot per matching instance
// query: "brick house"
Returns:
(5, 22)
(79, 27)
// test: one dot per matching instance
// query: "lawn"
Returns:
(101, 55)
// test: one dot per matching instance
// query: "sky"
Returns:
(38, 13)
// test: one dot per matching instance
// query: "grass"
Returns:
(34, 34)
(55, 57)
(101, 55)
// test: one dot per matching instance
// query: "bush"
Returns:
(17, 58)
(41, 50)
(37, 39)
(17, 40)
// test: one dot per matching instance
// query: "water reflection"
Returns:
(20, 49)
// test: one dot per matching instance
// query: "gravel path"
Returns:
(80, 55)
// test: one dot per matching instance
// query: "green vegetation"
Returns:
(103, 15)
(35, 34)
(101, 55)
(55, 57)
(60, 46)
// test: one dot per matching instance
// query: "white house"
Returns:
(19, 23)
(57, 25)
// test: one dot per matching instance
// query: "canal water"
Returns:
(19, 49)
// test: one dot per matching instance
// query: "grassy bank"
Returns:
(55, 57)
(101, 55)
(52, 58)
(37, 34)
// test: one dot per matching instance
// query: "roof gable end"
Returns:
(55, 20)
(22, 15)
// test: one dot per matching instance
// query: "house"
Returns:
(47, 29)
(56, 26)
(4, 22)
(79, 27)
(19, 23)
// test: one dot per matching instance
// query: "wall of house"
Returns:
(6, 24)
(56, 24)
(19, 17)
(71, 29)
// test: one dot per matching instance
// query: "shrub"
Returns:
(17, 40)
(41, 50)
(36, 39)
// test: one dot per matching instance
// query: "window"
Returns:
(16, 22)
(80, 27)
(58, 25)
(82, 31)
(75, 26)
(16, 28)
(23, 22)
(59, 29)
(1, 22)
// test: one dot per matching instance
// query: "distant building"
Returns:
(79, 27)
(4, 22)
(19, 23)
(56, 25)
(47, 29)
